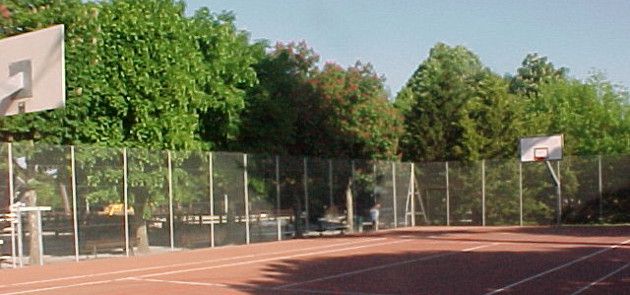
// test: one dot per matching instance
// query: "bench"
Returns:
(332, 224)
(105, 244)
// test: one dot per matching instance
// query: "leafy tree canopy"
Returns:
(333, 112)
(455, 109)
(139, 73)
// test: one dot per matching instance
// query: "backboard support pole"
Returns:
(12, 86)
(556, 181)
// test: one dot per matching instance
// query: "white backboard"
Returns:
(541, 148)
(32, 71)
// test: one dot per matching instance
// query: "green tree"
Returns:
(360, 122)
(534, 72)
(157, 80)
(593, 115)
(333, 112)
(272, 118)
(455, 109)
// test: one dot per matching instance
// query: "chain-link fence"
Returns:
(74, 203)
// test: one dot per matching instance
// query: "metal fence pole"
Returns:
(601, 188)
(448, 198)
(330, 184)
(350, 209)
(413, 194)
(211, 192)
(559, 189)
(40, 239)
(483, 192)
(20, 246)
(11, 196)
(125, 200)
(394, 194)
(278, 220)
(170, 199)
(520, 192)
(246, 189)
(75, 223)
(306, 199)
(374, 182)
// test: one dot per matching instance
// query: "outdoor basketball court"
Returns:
(429, 260)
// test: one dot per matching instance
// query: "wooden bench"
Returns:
(332, 224)
(108, 244)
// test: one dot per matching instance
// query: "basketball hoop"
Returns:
(541, 154)
(541, 148)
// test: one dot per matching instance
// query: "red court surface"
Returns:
(423, 260)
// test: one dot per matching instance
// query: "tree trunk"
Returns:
(32, 227)
(142, 236)
(63, 190)
(349, 206)
(140, 227)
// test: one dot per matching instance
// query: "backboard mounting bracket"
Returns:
(32, 71)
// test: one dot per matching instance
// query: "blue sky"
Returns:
(396, 36)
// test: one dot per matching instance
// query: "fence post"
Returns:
(394, 194)
(330, 184)
(246, 189)
(349, 199)
(306, 199)
(170, 200)
(278, 220)
(11, 196)
(211, 191)
(520, 192)
(75, 223)
(448, 198)
(601, 188)
(483, 192)
(374, 182)
(559, 189)
(413, 194)
(125, 200)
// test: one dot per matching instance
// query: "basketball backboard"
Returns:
(541, 148)
(32, 71)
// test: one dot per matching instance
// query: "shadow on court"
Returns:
(449, 272)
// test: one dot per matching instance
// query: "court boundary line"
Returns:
(206, 268)
(269, 259)
(248, 287)
(60, 287)
(149, 268)
(538, 275)
(393, 264)
(600, 279)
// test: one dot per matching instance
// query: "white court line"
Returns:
(211, 267)
(187, 263)
(59, 287)
(351, 273)
(558, 267)
(600, 279)
(180, 282)
(268, 259)
(519, 242)
(249, 287)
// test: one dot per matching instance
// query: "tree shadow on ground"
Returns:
(452, 271)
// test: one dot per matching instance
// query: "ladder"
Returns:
(409, 206)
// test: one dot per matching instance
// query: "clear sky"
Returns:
(395, 36)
